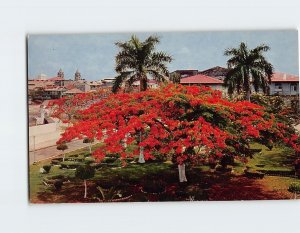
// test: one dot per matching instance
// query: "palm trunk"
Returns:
(181, 172)
(85, 189)
(143, 84)
(248, 94)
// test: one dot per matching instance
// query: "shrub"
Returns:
(227, 160)
(85, 172)
(69, 165)
(294, 188)
(47, 168)
(109, 159)
(62, 146)
(58, 185)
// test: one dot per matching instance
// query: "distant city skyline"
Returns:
(94, 54)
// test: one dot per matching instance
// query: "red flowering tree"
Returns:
(185, 124)
(66, 108)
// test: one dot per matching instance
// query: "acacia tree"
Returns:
(137, 60)
(179, 123)
(248, 68)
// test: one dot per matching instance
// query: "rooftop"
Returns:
(283, 77)
(200, 79)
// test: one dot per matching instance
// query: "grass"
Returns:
(112, 174)
(277, 159)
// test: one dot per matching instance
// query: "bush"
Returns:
(85, 172)
(254, 174)
(294, 188)
(109, 159)
(62, 146)
(69, 165)
(56, 161)
(58, 185)
(47, 168)
(227, 160)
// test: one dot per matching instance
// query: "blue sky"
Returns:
(93, 54)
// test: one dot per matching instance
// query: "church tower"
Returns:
(77, 76)
(60, 73)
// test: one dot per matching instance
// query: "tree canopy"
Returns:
(137, 61)
(181, 123)
(248, 68)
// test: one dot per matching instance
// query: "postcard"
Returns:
(166, 116)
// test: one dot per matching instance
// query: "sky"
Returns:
(94, 54)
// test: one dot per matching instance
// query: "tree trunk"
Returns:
(143, 84)
(141, 157)
(248, 94)
(64, 156)
(90, 146)
(85, 189)
(181, 172)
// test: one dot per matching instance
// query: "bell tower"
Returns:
(60, 73)
(77, 76)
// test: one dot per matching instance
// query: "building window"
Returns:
(294, 87)
(278, 86)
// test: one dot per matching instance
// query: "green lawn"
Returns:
(110, 173)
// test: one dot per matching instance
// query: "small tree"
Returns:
(63, 147)
(90, 141)
(84, 173)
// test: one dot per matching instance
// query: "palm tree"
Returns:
(175, 77)
(137, 61)
(247, 68)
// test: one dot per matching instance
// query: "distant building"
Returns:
(107, 82)
(41, 77)
(53, 93)
(73, 91)
(82, 86)
(185, 73)
(203, 80)
(216, 72)
(284, 84)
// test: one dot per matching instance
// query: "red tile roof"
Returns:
(200, 79)
(283, 77)
(56, 79)
(74, 91)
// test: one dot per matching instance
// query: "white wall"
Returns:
(42, 136)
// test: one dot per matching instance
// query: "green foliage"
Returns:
(247, 68)
(294, 187)
(47, 168)
(85, 172)
(137, 60)
(58, 185)
(62, 146)
(273, 104)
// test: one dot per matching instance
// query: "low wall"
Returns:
(42, 136)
